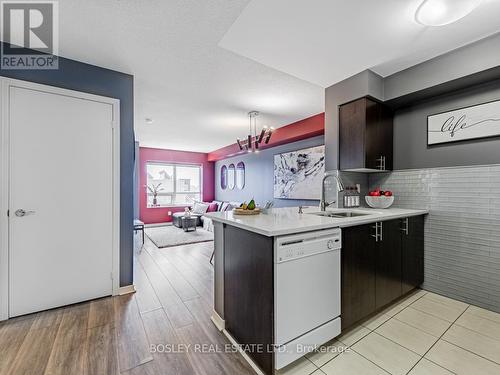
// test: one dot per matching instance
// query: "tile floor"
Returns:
(424, 334)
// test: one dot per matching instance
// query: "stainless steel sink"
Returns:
(341, 214)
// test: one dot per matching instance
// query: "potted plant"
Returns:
(155, 189)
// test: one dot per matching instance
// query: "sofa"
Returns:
(198, 210)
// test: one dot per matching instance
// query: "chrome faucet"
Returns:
(340, 186)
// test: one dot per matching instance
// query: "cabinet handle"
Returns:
(378, 232)
(406, 229)
(381, 163)
(381, 232)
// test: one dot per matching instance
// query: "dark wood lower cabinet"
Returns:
(358, 274)
(412, 253)
(248, 292)
(377, 271)
(388, 263)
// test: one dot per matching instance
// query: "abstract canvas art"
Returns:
(298, 174)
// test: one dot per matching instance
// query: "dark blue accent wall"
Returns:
(74, 75)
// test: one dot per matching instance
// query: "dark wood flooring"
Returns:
(170, 311)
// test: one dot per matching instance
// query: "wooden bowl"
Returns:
(241, 211)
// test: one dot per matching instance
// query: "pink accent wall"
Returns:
(160, 215)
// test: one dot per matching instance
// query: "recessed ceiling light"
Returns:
(149, 121)
(444, 12)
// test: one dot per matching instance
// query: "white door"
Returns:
(61, 175)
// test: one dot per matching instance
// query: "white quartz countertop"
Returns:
(283, 221)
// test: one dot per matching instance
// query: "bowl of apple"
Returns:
(380, 198)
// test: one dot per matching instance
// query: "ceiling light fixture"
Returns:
(149, 121)
(254, 139)
(444, 12)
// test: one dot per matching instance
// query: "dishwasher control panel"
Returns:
(301, 245)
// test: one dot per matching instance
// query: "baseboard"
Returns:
(126, 290)
(218, 321)
(245, 356)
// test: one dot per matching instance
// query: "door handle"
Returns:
(21, 212)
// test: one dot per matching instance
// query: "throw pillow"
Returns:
(200, 208)
(213, 207)
(219, 205)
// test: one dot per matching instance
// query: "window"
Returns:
(231, 176)
(173, 184)
(223, 177)
(240, 175)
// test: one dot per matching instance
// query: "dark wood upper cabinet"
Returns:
(412, 253)
(365, 136)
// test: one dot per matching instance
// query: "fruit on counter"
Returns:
(251, 205)
(380, 193)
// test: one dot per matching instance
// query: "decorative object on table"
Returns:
(187, 212)
(189, 223)
(167, 236)
(254, 139)
(380, 199)
(298, 174)
(247, 209)
(474, 122)
(155, 189)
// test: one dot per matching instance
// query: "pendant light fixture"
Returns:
(254, 139)
(444, 12)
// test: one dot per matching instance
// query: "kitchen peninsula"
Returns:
(286, 281)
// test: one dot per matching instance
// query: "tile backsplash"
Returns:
(462, 231)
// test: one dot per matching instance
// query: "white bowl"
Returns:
(379, 202)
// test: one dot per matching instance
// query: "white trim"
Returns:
(245, 356)
(4, 202)
(218, 321)
(6, 83)
(116, 194)
(126, 290)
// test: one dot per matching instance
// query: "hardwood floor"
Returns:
(171, 309)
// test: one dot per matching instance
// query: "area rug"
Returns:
(167, 236)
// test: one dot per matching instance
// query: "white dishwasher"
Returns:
(306, 292)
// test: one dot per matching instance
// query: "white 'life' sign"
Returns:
(479, 121)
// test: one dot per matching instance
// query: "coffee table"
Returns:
(188, 223)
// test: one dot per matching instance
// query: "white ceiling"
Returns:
(197, 93)
(326, 41)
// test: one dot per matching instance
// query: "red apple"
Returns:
(388, 193)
